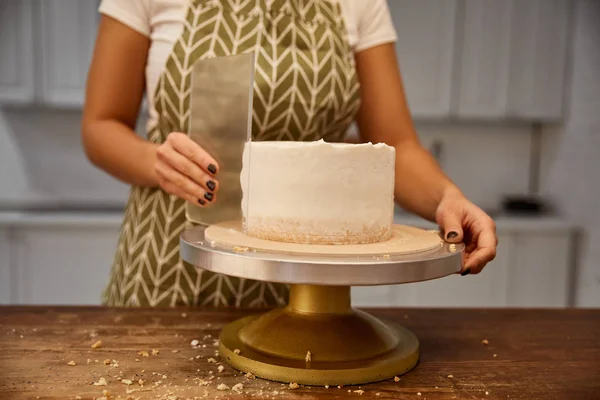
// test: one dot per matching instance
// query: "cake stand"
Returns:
(318, 338)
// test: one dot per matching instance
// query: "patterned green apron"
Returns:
(305, 89)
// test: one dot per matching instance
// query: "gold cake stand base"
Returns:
(347, 346)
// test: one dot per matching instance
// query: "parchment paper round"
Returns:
(404, 240)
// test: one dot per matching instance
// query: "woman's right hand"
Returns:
(185, 169)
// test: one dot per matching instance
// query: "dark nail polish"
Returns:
(208, 196)
(466, 272)
(211, 185)
(451, 235)
(202, 202)
(212, 169)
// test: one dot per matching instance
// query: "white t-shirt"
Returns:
(368, 22)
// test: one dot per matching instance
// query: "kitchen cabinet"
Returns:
(68, 32)
(513, 57)
(59, 263)
(485, 43)
(538, 277)
(5, 266)
(541, 29)
(17, 44)
(483, 59)
(46, 47)
(425, 50)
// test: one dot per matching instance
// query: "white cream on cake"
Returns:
(318, 192)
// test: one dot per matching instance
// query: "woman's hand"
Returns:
(185, 169)
(463, 221)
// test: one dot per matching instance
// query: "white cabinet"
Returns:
(425, 49)
(46, 50)
(61, 263)
(5, 266)
(17, 49)
(513, 59)
(68, 32)
(484, 58)
(538, 277)
(539, 58)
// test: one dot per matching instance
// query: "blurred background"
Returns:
(505, 94)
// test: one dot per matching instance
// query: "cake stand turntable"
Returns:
(347, 346)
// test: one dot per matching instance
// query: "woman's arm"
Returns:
(384, 117)
(115, 87)
(421, 186)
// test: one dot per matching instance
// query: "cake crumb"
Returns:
(137, 360)
(240, 249)
(101, 382)
(326, 386)
(155, 352)
(183, 315)
(294, 385)
(106, 362)
(72, 363)
(211, 360)
(360, 392)
(143, 353)
(485, 342)
(141, 382)
(126, 382)
(220, 368)
(396, 379)
(487, 393)
(308, 357)
(450, 376)
(238, 387)
(377, 394)
(237, 351)
(89, 360)
(194, 342)
(495, 355)
(174, 351)
(222, 387)
(249, 375)
(418, 393)
(386, 256)
(97, 345)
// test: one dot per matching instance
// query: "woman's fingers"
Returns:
(180, 185)
(188, 168)
(484, 253)
(192, 151)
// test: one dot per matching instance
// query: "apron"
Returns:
(305, 89)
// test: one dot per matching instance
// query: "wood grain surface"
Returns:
(530, 354)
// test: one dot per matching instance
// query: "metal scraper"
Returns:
(221, 122)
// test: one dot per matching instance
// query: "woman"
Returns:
(315, 52)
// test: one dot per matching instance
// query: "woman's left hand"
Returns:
(462, 221)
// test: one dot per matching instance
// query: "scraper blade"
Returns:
(221, 122)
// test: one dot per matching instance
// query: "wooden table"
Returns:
(530, 354)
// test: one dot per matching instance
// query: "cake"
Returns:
(318, 192)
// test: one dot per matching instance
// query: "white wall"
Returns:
(571, 161)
